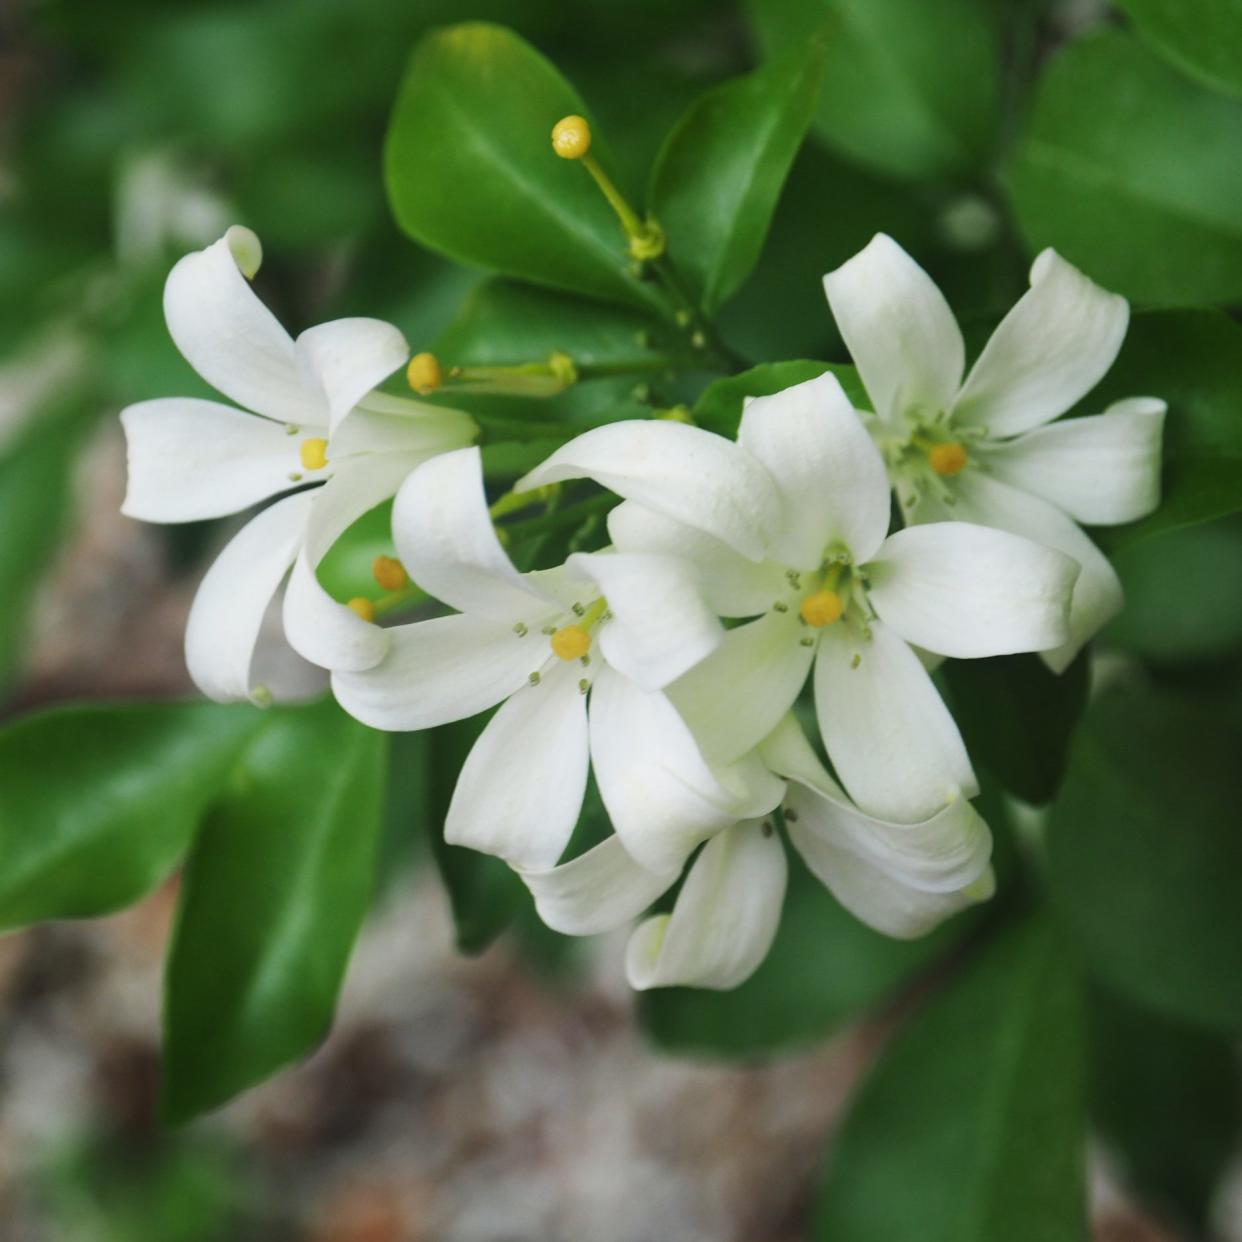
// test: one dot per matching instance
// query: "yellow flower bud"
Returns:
(571, 137)
(424, 373)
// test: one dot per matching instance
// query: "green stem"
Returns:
(561, 518)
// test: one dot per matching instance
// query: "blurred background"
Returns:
(500, 1098)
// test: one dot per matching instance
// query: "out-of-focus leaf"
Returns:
(348, 570)
(274, 892)
(1134, 173)
(471, 171)
(1145, 850)
(1201, 37)
(1168, 1099)
(971, 1126)
(909, 88)
(1018, 719)
(719, 408)
(98, 802)
(717, 179)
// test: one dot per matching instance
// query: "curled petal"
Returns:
(346, 358)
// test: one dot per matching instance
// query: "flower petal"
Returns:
(1101, 470)
(734, 698)
(448, 545)
(898, 328)
(829, 472)
(403, 427)
(438, 671)
(684, 472)
(964, 590)
(192, 459)
(887, 731)
(596, 891)
(345, 358)
(1052, 348)
(725, 918)
(660, 626)
(521, 788)
(228, 607)
(232, 340)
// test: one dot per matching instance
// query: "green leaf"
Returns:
(824, 968)
(719, 408)
(1167, 1100)
(909, 88)
(1134, 173)
(348, 570)
(1201, 37)
(98, 802)
(274, 892)
(717, 178)
(971, 1126)
(1018, 719)
(471, 171)
(1145, 850)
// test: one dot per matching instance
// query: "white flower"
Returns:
(609, 628)
(313, 418)
(830, 591)
(980, 450)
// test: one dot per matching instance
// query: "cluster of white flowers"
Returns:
(618, 661)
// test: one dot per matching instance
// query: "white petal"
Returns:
(725, 918)
(1101, 470)
(191, 459)
(887, 731)
(228, 608)
(410, 427)
(898, 328)
(448, 545)
(660, 793)
(438, 671)
(346, 358)
(1052, 348)
(596, 891)
(684, 472)
(660, 626)
(1097, 593)
(732, 585)
(735, 698)
(964, 590)
(521, 788)
(233, 341)
(830, 474)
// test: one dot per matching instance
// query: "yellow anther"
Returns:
(424, 373)
(363, 607)
(389, 573)
(314, 453)
(571, 137)
(947, 459)
(571, 642)
(822, 608)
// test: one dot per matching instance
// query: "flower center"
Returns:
(314, 453)
(571, 642)
(947, 459)
(822, 608)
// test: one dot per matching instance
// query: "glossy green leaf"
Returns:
(471, 171)
(719, 407)
(909, 88)
(971, 1126)
(273, 895)
(1203, 38)
(1134, 173)
(1145, 850)
(1018, 719)
(717, 179)
(99, 802)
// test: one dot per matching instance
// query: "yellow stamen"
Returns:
(571, 137)
(947, 459)
(363, 607)
(571, 642)
(314, 453)
(389, 573)
(822, 608)
(424, 373)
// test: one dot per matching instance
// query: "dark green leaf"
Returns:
(99, 802)
(1135, 174)
(1201, 37)
(717, 179)
(274, 892)
(1145, 850)
(719, 409)
(971, 1126)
